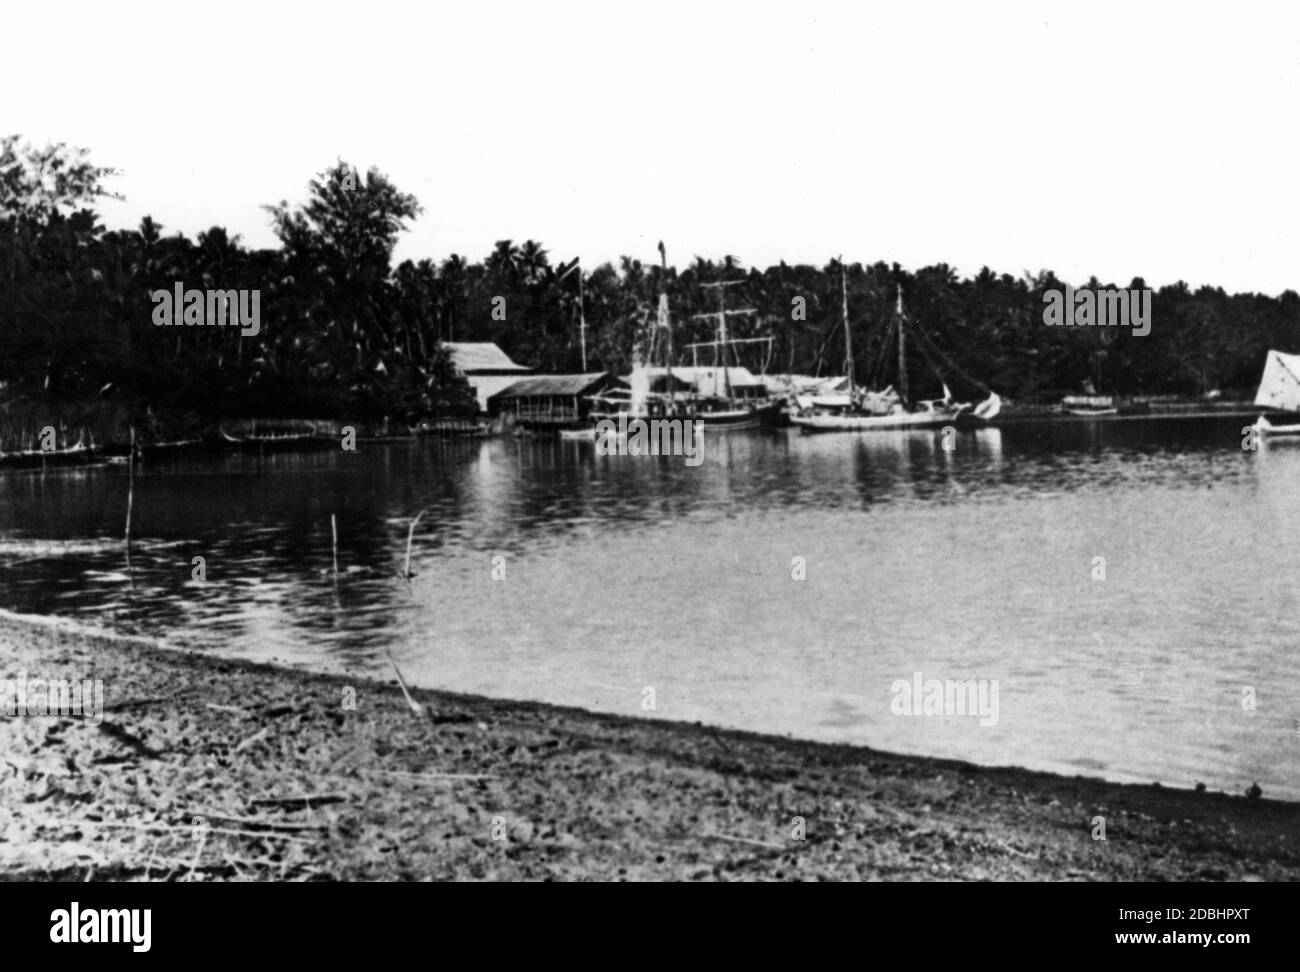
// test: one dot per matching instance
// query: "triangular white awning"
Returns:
(1280, 386)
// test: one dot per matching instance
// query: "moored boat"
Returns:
(721, 395)
(1091, 412)
(727, 396)
(1279, 389)
(862, 410)
(933, 414)
(69, 455)
(1100, 406)
(268, 439)
(287, 434)
(1266, 428)
(154, 449)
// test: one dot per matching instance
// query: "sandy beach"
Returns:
(202, 769)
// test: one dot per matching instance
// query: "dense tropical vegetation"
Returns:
(345, 334)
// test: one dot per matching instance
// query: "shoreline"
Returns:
(98, 456)
(201, 440)
(291, 785)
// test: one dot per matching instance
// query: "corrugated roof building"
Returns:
(550, 401)
(486, 367)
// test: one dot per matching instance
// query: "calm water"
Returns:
(626, 572)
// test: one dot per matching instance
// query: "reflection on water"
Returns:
(546, 571)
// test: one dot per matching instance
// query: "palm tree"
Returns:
(532, 261)
(504, 259)
(453, 292)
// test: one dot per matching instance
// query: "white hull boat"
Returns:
(850, 422)
(862, 410)
(1267, 429)
(1279, 389)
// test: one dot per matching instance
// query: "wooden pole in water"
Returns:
(410, 535)
(334, 528)
(130, 497)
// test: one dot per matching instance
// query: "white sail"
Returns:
(1280, 386)
(989, 408)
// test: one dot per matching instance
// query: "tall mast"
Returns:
(721, 314)
(582, 323)
(582, 314)
(664, 323)
(722, 340)
(902, 348)
(848, 334)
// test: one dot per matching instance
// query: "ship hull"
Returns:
(767, 415)
(738, 419)
(811, 424)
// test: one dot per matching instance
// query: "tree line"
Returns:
(346, 334)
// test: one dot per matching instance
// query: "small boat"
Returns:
(1089, 406)
(1100, 406)
(68, 455)
(1091, 412)
(1093, 406)
(259, 439)
(1279, 389)
(1266, 428)
(454, 428)
(272, 438)
(163, 448)
(587, 434)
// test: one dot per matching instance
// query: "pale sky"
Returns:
(1113, 139)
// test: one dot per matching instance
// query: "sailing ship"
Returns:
(727, 403)
(1279, 389)
(863, 410)
(709, 394)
